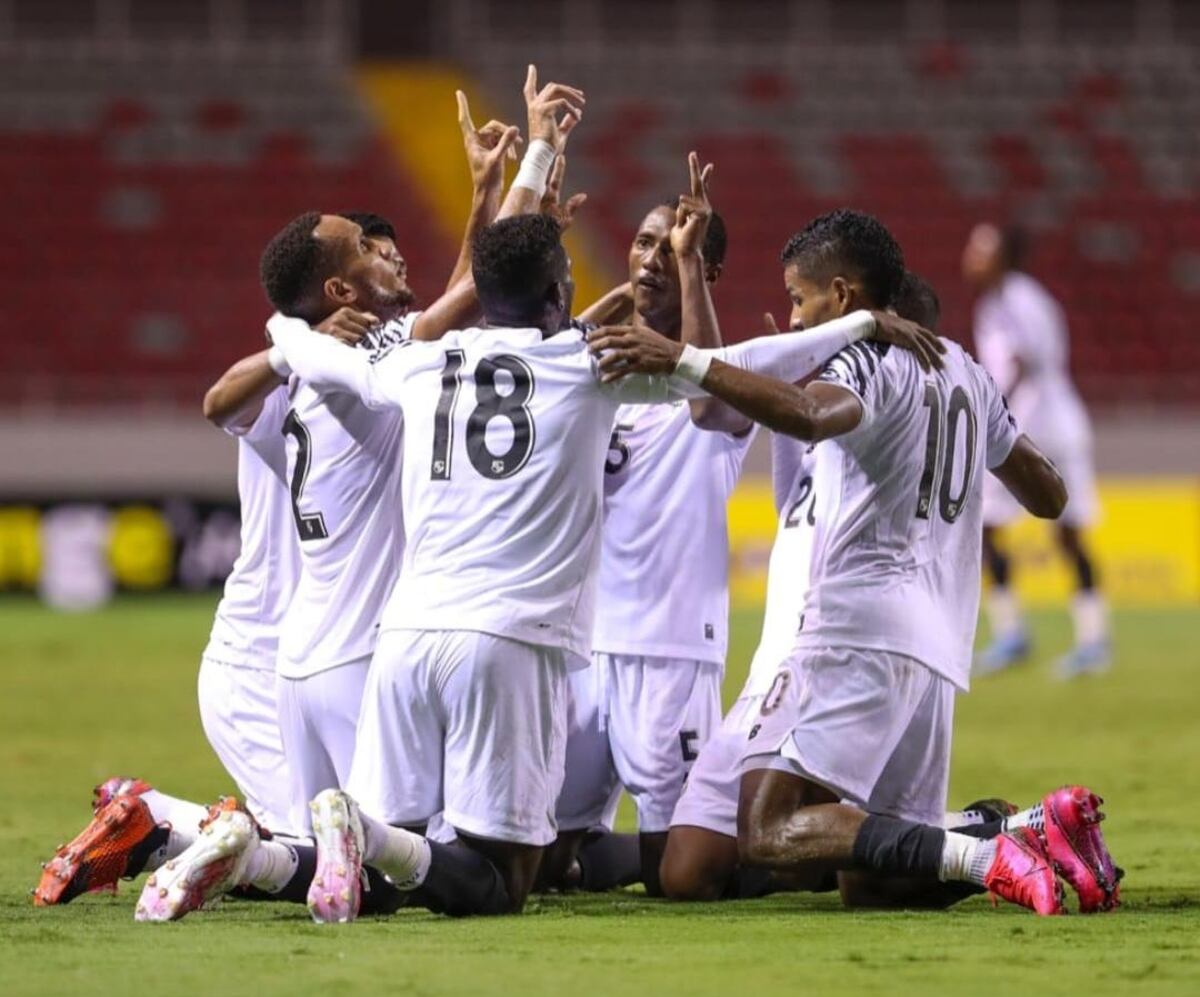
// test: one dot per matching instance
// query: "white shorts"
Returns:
(710, 797)
(872, 726)
(1078, 472)
(467, 724)
(637, 722)
(240, 720)
(318, 720)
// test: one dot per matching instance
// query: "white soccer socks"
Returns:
(400, 855)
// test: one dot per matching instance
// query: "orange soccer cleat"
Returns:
(116, 843)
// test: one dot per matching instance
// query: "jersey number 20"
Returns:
(940, 440)
(490, 404)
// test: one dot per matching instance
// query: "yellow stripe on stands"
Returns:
(414, 105)
(1147, 545)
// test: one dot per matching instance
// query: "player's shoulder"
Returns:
(857, 366)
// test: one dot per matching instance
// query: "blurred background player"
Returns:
(1021, 340)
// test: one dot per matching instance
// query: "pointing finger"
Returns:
(464, 113)
(530, 88)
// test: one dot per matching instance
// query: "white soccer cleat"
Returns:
(335, 894)
(211, 866)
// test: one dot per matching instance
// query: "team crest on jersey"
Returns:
(498, 467)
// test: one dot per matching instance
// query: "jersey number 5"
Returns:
(940, 443)
(310, 525)
(512, 406)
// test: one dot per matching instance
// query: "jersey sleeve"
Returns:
(793, 356)
(269, 420)
(856, 368)
(1002, 431)
(329, 366)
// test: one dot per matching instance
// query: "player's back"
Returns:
(898, 512)
(344, 474)
(505, 442)
(263, 578)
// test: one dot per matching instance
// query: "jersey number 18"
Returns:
(490, 404)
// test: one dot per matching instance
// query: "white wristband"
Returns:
(693, 364)
(535, 167)
(279, 362)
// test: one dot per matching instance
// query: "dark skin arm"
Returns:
(615, 308)
(1033, 480)
(816, 412)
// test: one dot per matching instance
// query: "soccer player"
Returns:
(846, 765)
(701, 860)
(642, 712)
(1021, 339)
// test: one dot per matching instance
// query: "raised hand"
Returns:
(552, 204)
(348, 325)
(545, 106)
(627, 349)
(694, 211)
(769, 326)
(891, 328)
(486, 147)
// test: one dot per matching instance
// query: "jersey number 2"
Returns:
(940, 440)
(310, 525)
(490, 404)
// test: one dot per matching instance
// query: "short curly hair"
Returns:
(917, 301)
(515, 262)
(373, 225)
(716, 239)
(851, 243)
(295, 264)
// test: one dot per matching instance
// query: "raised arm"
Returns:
(615, 308)
(1033, 480)
(548, 134)
(487, 148)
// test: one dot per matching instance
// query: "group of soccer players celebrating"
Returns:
(483, 583)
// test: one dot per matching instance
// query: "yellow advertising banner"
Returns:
(1147, 544)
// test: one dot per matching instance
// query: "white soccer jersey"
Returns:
(664, 550)
(897, 521)
(788, 568)
(504, 447)
(1021, 338)
(344, 473)
(260, 586)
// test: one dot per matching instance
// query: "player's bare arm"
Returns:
(552, 203)
(236, 399)
(699, 326)
(487, 149)
(614, 308)
(554, 111)
(1033, 479)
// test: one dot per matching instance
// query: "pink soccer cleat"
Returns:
(211, 866)
(1022, 874)
(335, 895)
(1076, 846)
(117, 785)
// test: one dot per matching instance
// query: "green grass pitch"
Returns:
(83, 697)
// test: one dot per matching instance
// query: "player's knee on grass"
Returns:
(559, 867)
(777, 826)
(517, 865)
(697, 864)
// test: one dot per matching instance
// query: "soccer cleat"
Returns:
(335, 894)
(1003, 652)
(1086, 659)
(212, 865)
(1022, 873)
(117, 785)
(1076, 846)
(117, 841)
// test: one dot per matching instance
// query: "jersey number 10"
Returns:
(489, 404)
(940, 440)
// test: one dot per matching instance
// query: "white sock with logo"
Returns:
(966, 859)
(183, 815)
(1033, 818)
(271, 867)
(400, 855)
